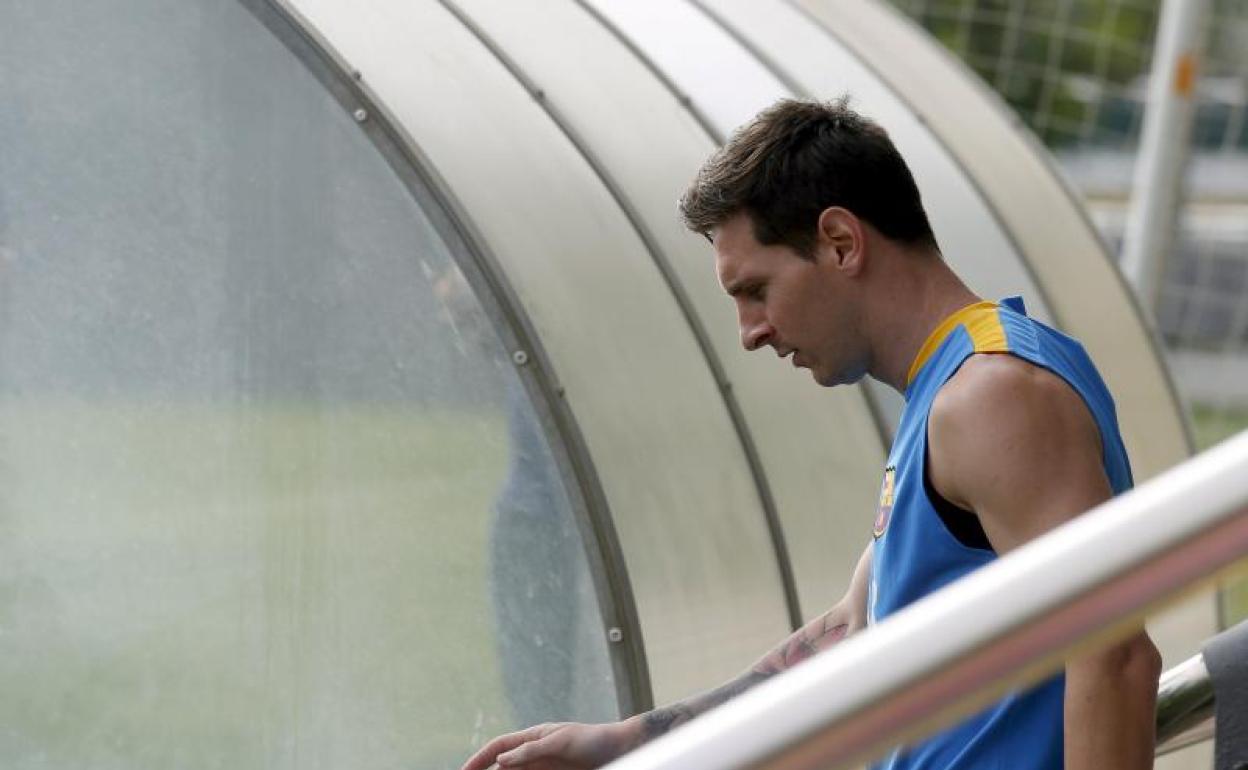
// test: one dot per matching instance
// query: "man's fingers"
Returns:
(503, 743)
(532, 750)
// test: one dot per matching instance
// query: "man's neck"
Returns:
(912, 304)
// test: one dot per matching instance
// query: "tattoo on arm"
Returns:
(817, 635)
(660, 721)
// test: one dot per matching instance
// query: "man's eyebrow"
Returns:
(739, 285)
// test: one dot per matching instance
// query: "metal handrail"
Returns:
(1087, 583)
(1185, 706)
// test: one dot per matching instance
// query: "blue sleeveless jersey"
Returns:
(915, 553)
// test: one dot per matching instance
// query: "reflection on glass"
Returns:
(538, 598)
(263, 493)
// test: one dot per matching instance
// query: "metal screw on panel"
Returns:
(361, 115)
(520, 357)
(615, 635)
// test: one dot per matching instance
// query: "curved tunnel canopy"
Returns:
(362, 396)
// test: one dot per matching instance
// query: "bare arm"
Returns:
(587, 746)
(1111, 706)
(1017, 446)
(846, 617)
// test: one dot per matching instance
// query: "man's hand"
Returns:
(571, 746)
(564, 746)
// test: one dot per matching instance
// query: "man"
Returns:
(821, 240)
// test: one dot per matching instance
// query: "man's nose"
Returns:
(756, 333)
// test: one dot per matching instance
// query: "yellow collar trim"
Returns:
(934, 339)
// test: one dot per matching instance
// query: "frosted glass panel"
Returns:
(271, 492)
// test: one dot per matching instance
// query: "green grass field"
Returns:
(201, 586)
(1210, 426)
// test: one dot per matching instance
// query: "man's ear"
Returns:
(842, 239)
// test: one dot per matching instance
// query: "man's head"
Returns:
(806, 207)
(796, 159)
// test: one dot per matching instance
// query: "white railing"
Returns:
(1008, 624)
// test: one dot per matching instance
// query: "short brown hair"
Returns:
(797, 158)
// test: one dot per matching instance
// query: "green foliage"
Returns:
(1074, 69)
(1058, 63)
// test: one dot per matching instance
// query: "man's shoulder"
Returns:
(1001, 389)
(1014, 443)
(998, 406)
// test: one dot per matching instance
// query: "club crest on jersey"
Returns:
(885, 510)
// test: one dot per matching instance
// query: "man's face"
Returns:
(803, 309)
